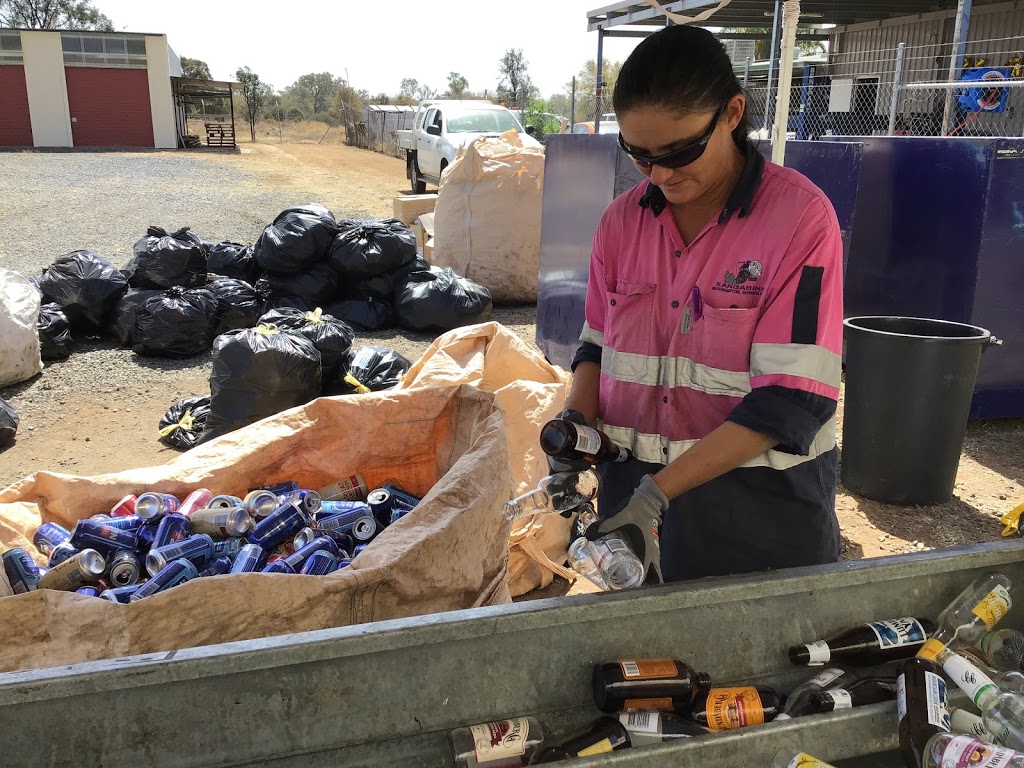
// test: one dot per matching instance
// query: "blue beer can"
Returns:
(278, 489)
(320, 563)
(398, 513)
(308, 501)
(402, 497)
(91, 533)
(303, 537)
(88, 591)
(281, 525)
(61, 553)
(120, 594)
(49, 536)
(278, 566)
(227, 548)
(125, 522)
(197, 549)
(358, 523)
(359, 550)
(248, 560)
(218, 567)
(223, 500)
(171, 528)
(21, 570)
(298, 558)
(345, 562)
(171, 575)
(153, 505)
(123, 568)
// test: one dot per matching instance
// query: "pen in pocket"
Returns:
(693, 311)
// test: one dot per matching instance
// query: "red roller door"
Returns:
(109, 107)
(15, 122)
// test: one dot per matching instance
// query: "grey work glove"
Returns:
(638, 521)
(558, 465)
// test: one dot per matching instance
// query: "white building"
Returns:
(86, 89)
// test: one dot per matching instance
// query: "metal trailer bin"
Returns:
(386, 694)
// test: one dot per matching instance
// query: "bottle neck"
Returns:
(537, 500)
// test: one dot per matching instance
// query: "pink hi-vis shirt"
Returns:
(688, 333)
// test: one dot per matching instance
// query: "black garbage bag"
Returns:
(331, 337)
(258, 372)
(86, 286)
(363, 314)
(419, 264)
(234, 260)
(34, 279)
(185, 421)
(300, 237)
(377, 287)
(440, 301)
(373, 369)
(373, 248)
(123, 323)
(289, 302)
(8, 423)
(175, 323)
(54, 332)
(167, 260)
(319, 284)
(238, 304)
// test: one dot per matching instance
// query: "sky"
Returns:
(375, 42)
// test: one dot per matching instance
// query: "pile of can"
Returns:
(152, 542)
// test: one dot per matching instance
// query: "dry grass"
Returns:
(300, 132)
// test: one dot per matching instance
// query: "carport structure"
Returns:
(639, 19)
(220, 132)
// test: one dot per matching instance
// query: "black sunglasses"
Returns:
(679, 157)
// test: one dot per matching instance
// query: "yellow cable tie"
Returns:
(267, 329)
(316, 316)
(186, 423)
(361, 388)
(1011, 521)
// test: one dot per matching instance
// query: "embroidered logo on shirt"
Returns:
(741, 282)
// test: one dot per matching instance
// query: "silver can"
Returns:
(85, 567)
(220, 521)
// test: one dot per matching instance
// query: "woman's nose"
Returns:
(660, 175)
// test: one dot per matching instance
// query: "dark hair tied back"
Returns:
(684, 69)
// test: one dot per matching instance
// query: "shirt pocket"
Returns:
(627, 333)
(726, 337)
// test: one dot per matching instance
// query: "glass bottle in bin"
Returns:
(658, 727)
(801, 701)
(867, 690)
(790, 758)
(636, 685)
(1002, 713)
(975, 611)
(607, 734)
(947, 749)
(495, 745)
(561, 492)
(1004, 648)
(866, 644)
(921, 708)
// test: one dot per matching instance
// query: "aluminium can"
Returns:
(217, 567)
(298, 558)
(171, 575)
(279, 527)
(261, 503)
(351, 488)
(22, 571)
(197, 549)
(320, 563)
(221, 521)
(49, 536)
(124, 507)
(123, 568)
(198, 499)
(84, 568)
(171, 528)
(153, 505)
(99, 535)
(227, 548)
(88, 591)
(120, 594)
(223, 500)
(278, 566)
(248, 560)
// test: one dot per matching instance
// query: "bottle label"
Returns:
(993, 606)
(803, 760)
(500, 740)
(649, 705)
(782, 716)
(588, 440)
(604, 745)
(819, 652)
(965, 752)
(641, 722)
(895, 633)
(826, 677)
(901, 698)
(648, 669)
(935, 691)
(604, 549)
(841, 699)
(729, 708)
(931, 650)
(963, 721)
(971, 680)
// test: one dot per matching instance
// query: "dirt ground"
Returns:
(113, 428)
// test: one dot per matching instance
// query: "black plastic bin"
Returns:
(909, 383)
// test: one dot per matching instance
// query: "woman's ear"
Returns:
(734, 111)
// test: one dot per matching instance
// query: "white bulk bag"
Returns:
(19, 338)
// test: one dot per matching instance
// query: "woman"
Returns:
(713, 331)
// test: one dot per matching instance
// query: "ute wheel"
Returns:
(419, 187)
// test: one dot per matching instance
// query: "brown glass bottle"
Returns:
(867, 690)
(569, 441)
(633, 685)
(921, 708)
(866, 644)
(607, 734)
(723, 709)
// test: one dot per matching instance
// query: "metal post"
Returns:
(805, 97)
(897, 83)
(746, 72)
(956, 58)
(231, 100)
(769, 104)
(599, 87)
(780, 129)
(572, 106)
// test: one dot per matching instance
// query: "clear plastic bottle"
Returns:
(1004, 648)
(948, 749)
(495, 745)
(560, 492)
(974, 611)
(790, 758)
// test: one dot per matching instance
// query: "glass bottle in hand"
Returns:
(561, 492)
(568, 441)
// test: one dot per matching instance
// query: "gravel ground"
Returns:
(53, 203)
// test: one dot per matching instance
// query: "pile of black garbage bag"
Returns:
(178, 292)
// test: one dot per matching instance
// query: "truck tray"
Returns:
(386, 694)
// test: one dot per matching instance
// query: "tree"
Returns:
(763, 43)
(513, 78)
(53, 14)
(412, 91)
(195, 69)
(256, 93)
(586, 81)
(320, 90)
(457, 85)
